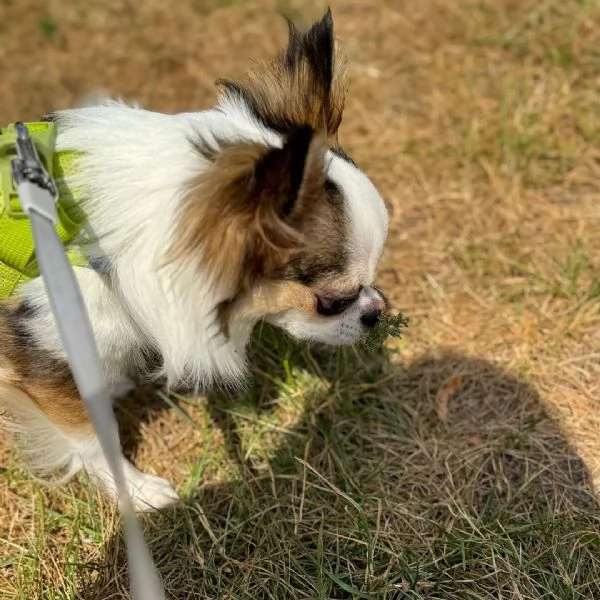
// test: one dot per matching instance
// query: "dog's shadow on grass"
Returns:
(375, 478)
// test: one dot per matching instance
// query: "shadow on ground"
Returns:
(398, 481)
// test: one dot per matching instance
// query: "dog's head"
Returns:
(291, 232)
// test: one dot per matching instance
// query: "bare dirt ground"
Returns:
(462, 461)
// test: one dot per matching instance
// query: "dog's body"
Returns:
(205, 223)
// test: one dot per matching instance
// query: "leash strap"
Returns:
(38, 196)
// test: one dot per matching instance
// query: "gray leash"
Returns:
(38, 195)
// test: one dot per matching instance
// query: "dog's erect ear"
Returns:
(244, 217)
(305, 85)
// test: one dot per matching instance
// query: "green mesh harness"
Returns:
(18, 263)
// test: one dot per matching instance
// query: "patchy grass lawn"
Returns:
(458, 462)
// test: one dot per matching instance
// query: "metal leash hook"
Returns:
(38, 195)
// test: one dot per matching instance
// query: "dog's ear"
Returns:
(286, 184)
(305, 85)
(244, 217)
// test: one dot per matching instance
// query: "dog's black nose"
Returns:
(370, 319)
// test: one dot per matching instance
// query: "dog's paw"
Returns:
(149, 492)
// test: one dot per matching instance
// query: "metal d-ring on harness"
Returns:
(38, 195)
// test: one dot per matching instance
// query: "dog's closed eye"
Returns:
(328, 306)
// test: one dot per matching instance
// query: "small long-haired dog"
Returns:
(204, 223)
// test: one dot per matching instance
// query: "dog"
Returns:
(198, 225)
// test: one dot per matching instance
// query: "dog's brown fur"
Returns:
(34, 372)
(244, 216)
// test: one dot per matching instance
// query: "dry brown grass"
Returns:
(446, 468)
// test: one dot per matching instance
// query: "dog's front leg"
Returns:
(38, 391)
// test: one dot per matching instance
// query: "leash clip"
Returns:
(36, 187)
